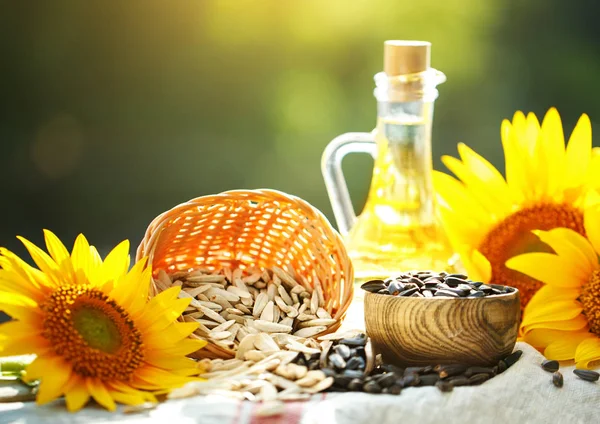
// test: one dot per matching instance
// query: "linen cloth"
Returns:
(522, 394)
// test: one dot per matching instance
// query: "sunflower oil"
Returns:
(397, 229)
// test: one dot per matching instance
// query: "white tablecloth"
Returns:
(523, 394)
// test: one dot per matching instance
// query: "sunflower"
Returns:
(563, 317)
(489, 219)
(91, 325)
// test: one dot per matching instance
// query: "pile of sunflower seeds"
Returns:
(433, 284)
(230, 305)
(340, 362)
(273, 373)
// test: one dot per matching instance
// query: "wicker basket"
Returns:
(241, 228)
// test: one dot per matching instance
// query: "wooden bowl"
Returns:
(424, 331)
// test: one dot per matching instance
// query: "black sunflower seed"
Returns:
(359, 340)
(550, 365)
(411, 380)
(386, 380)
(587, 375)
(479, 370)
(355, 363)
(511, 359)
(353, 373)
(461, 276)
(428, 380)
(478, 378)
(459, 380)
(372, 387)
(355, 385)
(445, 293)
(408, 292)
(557, 379)
(341, 380)
(454, 281)
(373, 286)
(337, 361)
(416, 281)
(395, 287)
(451, 370)
(444, 386)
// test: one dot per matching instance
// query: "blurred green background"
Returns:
(113, 112)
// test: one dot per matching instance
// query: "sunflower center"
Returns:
(513, 236)
(590, 300)
(93, 333)
(97, 329)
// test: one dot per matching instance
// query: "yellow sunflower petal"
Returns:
(512, 170)
(548, 294)
(579, 322)
(160, 318)
(54, 379)
(455, 194)
(531, 134)
(116, 262)
(124, 388)
(522, 142)
(127, 398)
(549, 269)
(100, 394)
(488, 175)
(564, 349)
(173, 334)
(81, 256)
(540, 338)
(76, 394)
(58, 252)
(17, 329)
(558, 310)
(153, 376)
(44, 262)
(20, 276)
(478, 189)
(25, 345)
(136, 299)
(593, 175)
(591, 222)
(27, 314)
(554, 146)
(482, 265)
(588, 351)
(171, 362)
(571, 246)
(131, 289)
(183, 347)
(460, 231)
(579, 152)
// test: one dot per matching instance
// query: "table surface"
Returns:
(522, 394)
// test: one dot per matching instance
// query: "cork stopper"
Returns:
(402, 57)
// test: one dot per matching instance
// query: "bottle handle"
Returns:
(331, 167)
